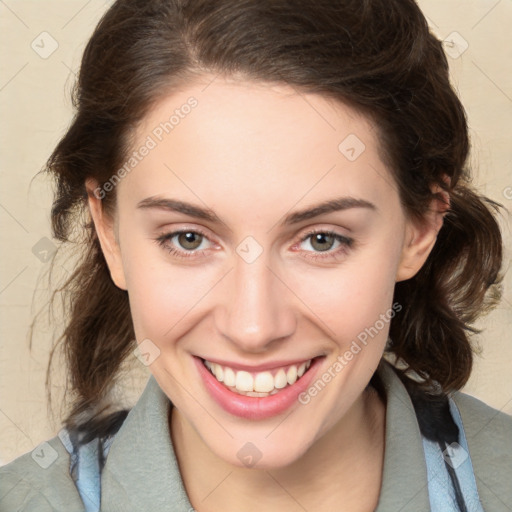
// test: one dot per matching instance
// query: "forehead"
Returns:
(221, 137)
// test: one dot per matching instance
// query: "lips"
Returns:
(245, 404)
(258, 384)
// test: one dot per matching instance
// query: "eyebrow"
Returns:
(333, 205)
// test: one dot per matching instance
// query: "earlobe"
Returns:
(105, 230)
(421, 236)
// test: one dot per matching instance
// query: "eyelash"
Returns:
(163, 240)
(346, 243)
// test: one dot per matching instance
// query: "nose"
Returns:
(256, 310)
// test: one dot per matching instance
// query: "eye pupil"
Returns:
(322, 238)
(187, 241)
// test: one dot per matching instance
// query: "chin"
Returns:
(260, 453)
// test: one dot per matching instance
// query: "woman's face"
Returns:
(292, 238)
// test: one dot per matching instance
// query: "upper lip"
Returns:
(259, 367)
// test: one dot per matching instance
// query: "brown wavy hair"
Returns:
(377, 56)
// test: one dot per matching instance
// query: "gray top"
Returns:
(141, 472)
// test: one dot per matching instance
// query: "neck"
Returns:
(341, 471)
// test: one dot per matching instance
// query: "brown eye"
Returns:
(184, 243)
(318, 245)
(189, 240)
(322, 241)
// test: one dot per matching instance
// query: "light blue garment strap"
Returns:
(85, 468)
(440, 489)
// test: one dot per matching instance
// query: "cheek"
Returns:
(351, 298)
(162, 295)
(167, 299)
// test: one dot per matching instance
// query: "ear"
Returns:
(106, 232)
(421, 235)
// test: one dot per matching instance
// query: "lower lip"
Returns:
(256, 408)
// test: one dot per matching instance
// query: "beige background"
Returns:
(35, 109)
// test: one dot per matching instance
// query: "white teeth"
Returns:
(264, 382)
(256, 394)
(229, 377)
(280, 381)
(259, 384)
(244, 381)
(219, 372)
(291, 375)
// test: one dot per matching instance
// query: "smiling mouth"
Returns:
(258, 384)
